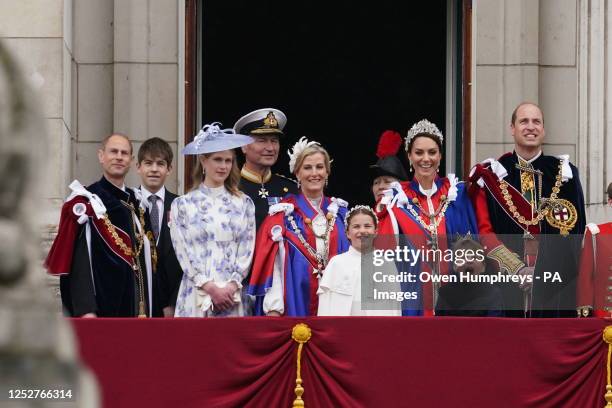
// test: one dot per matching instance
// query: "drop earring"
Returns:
(299, 184)
(326, 182)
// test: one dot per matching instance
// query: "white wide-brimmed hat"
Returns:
(211, 138)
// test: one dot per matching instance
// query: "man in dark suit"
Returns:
(154, 165)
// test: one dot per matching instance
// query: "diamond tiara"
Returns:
(423, 127)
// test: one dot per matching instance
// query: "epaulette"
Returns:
(286, 178)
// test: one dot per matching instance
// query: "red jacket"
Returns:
(595, 273)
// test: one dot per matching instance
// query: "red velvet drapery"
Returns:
(348, 362)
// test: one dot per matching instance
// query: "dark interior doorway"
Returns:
(342, 71)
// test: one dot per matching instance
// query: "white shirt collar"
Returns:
(532, 159)
(353, 252)
(429, 192)
(161, 193)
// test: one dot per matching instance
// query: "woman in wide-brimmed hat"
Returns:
(213, 228)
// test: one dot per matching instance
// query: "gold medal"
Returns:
(562, 215)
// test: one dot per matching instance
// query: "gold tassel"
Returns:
(301, 333)
(141, 310)
(607, 337)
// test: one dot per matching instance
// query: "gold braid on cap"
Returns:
(360, 207)
(423, 127)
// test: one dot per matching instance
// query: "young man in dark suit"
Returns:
(154, 165)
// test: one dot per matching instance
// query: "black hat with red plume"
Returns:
(388, 163)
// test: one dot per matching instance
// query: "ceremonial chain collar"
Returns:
(435, 218)
(137, 267)
(321, 258)
(543, 206)
(119, 241)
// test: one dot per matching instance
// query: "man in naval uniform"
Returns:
(103, 251)
(256, 177)
(534, 203)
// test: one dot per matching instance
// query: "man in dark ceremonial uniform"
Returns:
(534, 203)
(102, 250)
(256, 178)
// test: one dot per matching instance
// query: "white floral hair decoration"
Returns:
(423, 127)
(297, 150)
(360, 207)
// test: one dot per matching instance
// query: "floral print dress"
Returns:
(213, 234)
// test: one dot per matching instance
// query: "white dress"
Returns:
(340, 287)
(213, 234)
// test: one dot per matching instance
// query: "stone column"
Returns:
(38, 33)
(93, 65)
(595, 104)
(507, 58)
(555, 53)
(36, 345)
(146, 73)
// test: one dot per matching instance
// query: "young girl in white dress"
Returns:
(340, 288)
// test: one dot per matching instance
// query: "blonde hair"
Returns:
(230, 183)
(309, 151)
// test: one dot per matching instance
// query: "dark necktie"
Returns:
(154, 215)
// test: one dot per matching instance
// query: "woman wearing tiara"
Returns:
(298, 238)
(213, 228)
(429, 210)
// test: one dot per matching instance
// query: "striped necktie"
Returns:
(154, 215)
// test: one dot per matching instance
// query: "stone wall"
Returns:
(126, 58)
(552, 52)
(107, 65)
(38, 33)
(97, 66)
